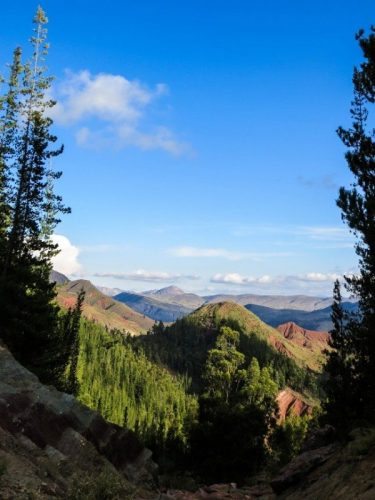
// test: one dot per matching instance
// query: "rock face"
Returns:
(47, 438)
(304, 338)
(292, 403)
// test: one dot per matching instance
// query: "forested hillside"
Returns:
(184, 345)
(131, 391)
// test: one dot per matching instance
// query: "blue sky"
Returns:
(200, 144)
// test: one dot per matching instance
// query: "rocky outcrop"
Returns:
(47, 439)
(299, 468)
(221, 491)
(337, 471)
(290, 402)
(304, 338)
(340, 472)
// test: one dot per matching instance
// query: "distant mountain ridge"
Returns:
(153, 308)
(292, 302)
(165, 292)
(171, 303)
(111, 292)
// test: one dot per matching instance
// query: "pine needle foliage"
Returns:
(353, 361)
(29, 210)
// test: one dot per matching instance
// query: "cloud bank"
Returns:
(148, 276)
(289, 280)
(188, 251)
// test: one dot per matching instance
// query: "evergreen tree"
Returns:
(357, 205)
(70, 334)
(340, 387)
(236, 416)
(222, 366)
(29, 211)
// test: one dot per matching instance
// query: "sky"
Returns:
(200, 139)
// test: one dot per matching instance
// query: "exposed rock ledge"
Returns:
(47, 439)
(292, 403)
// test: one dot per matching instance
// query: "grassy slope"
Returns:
(212, 314)
(103, 309)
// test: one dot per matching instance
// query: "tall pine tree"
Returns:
(355, 340)
(29, 211)
(342, 393)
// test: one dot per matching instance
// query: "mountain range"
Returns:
(133, 312)
(172, 303)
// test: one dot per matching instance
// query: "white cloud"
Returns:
(109, 109)
(187, 251)
(237, 279)
(66, 261)
(319, 277)
(111, 98)
(308, 278)
(148, 276)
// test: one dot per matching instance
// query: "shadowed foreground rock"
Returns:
(333, 471)
(51, 445)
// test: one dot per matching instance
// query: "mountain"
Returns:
(172, 303)
(58, 278)
(174, 295)
(303, 354)
(319, 319)
(153, 308)
(292, 302)
(103, 309)
(111, 292)
(165, 292)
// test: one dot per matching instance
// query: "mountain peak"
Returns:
(168, 290)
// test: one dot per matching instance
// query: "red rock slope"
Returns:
(311, 341)
(292, 403)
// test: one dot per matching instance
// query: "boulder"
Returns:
(42, 428)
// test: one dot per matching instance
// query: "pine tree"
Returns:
(236, 413)
(9, 108)
(29, 321)
(70, 339)
(357, 205)
(221, 372)
(340, 387)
